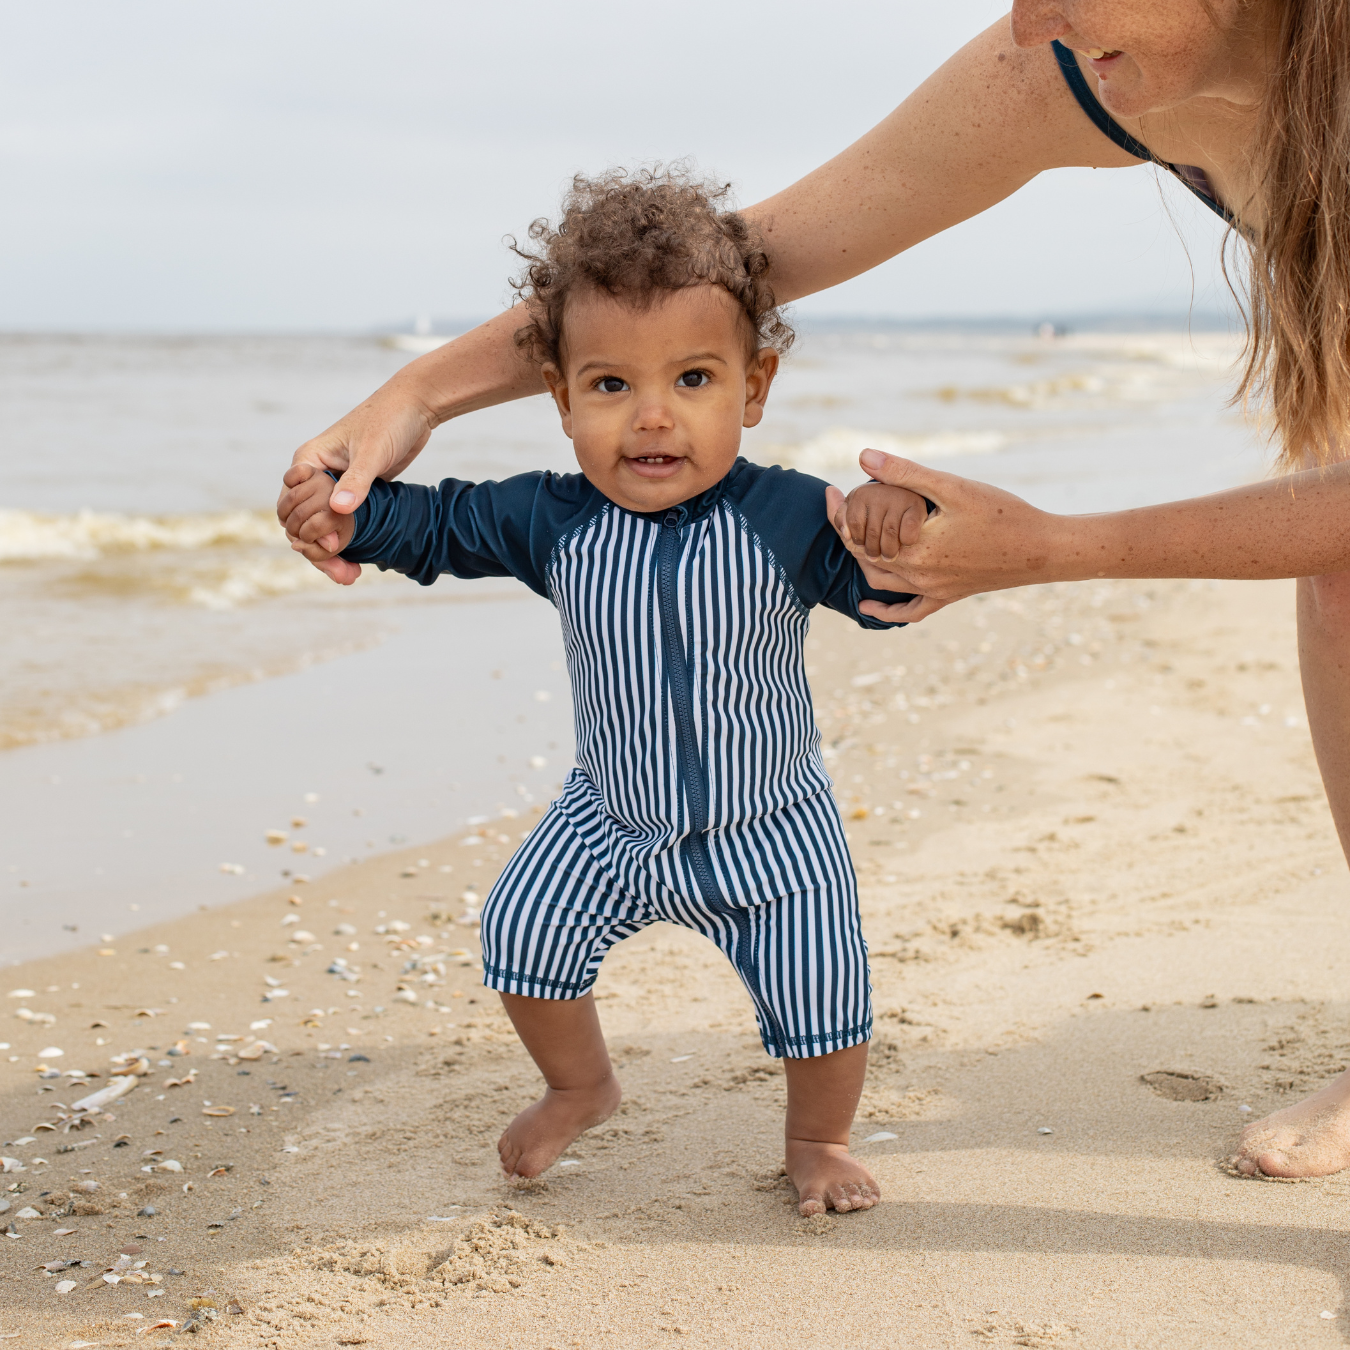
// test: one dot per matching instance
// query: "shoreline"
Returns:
(1089, 873)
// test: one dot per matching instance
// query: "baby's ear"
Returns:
(759, 375)
(562, 395)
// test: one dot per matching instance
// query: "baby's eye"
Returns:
(610, 384)
(693, 379)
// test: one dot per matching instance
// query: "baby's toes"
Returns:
(811, 1204)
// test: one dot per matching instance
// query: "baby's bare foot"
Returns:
(826, 1177)
(1309, 1139)
(537, 1137)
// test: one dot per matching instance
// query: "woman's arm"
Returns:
(984, 539)
(991, 119)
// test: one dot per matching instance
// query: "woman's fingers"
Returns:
(914, 611)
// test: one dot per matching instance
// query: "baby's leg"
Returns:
(822, 1097)
(564, 1039)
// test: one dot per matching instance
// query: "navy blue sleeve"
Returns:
(494, 529)
(786, 509)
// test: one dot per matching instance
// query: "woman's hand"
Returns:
(377, 440)
(978, 538)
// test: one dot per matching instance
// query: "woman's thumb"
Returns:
(905, 473)
(350, 491)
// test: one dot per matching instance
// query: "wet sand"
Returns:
(1115, 862)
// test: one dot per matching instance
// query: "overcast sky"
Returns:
(308, 166)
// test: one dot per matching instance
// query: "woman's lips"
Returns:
(655, 466)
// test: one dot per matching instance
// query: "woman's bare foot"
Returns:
(826, 1177)
(1309, 1139)
(539, 1135)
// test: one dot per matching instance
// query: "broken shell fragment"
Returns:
(65, 1286)
(96, 1101)
(169, 1165)
(275, 837)
(216, 1111)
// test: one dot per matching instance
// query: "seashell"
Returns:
(96, 1101)
(232, 869)
(257, 1050)
(169, 1165)
(28, 1212)
(275, 837)
(65, 1286)
(218, 1111)
(217, 956)
(66, 1232)
(270, 995)
(11, 1165)
(405, 996)
(299, 846)
(199, 1026)
(51, 1052)
(300, 935)
(290, 919)
(880, 1137)
(84, 1187)
(137, 1068)
(23, 993)
(27, 1139)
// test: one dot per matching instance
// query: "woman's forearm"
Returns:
(478, 369)
(1295, 526)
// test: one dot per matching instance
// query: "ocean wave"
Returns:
(839, 447)
(33, 536)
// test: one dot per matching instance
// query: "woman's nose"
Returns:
(1038, 21)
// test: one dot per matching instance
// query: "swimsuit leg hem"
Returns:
(825, 1043)
(506, 981)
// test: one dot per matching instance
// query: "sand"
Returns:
(1114, 865)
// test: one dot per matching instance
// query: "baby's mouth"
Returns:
(1099, 54)
(655, 466)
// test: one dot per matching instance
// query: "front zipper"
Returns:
(689, 764)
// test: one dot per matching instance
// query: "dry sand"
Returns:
(1114, 864)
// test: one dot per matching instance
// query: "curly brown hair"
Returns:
(634, 234)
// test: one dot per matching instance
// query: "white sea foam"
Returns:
(839, 447)
(31, 535)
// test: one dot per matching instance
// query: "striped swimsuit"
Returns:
(699, 796)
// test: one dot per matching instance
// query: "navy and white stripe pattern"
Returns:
(699, 795)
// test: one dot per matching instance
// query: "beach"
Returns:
(1105, 909)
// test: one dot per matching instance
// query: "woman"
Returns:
(1248, 102)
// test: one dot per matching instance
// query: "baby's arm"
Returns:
(306, 497)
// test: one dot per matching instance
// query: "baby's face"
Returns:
(654, 400)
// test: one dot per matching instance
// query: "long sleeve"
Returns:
(493, 529)
(786, 509)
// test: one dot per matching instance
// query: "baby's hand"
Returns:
(312, 529)
(877, 520)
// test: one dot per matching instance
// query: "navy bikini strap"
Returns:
(1113, 131)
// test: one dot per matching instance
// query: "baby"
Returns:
(684, 577)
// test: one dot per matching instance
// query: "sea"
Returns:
(176, 685)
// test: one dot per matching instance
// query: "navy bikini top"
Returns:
(1192, 176)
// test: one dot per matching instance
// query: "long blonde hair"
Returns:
(1297, 368)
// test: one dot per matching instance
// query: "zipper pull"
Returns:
(673, 517)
